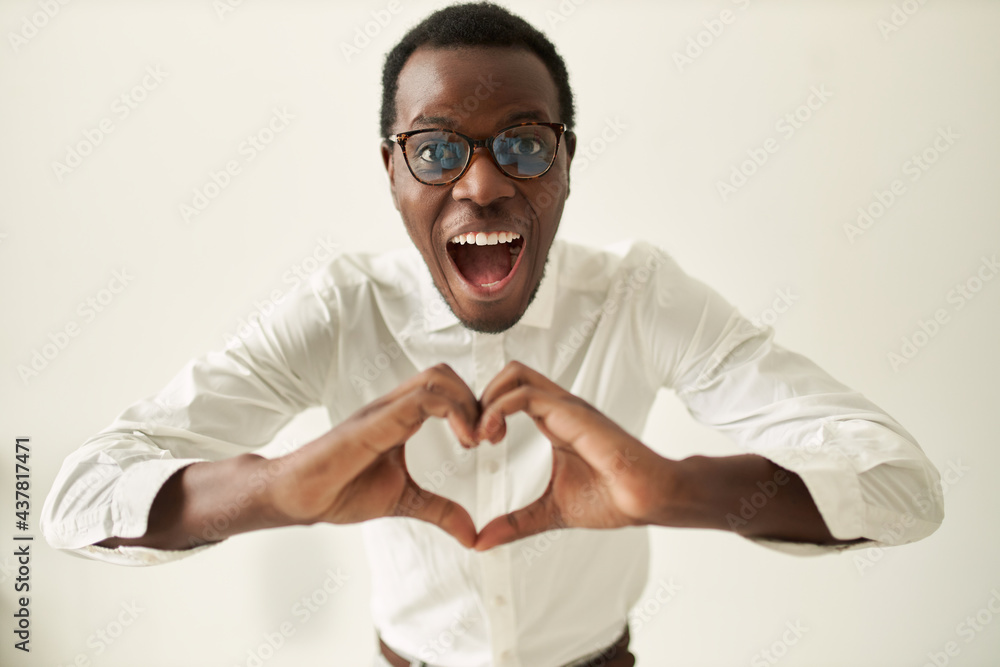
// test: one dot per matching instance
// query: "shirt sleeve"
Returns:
(867, 475)
(225, 403)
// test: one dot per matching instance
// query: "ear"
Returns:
(387, 149)
(569, 139)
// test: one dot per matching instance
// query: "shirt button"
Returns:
(499, 601)
(493, 467)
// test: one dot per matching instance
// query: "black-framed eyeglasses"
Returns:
(438, 156)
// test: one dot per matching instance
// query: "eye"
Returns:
(526, 145)
(439, 152)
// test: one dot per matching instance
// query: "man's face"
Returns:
(479, 91)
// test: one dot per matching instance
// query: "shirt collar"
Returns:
(437, 314)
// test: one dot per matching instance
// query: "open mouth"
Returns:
(486, 259)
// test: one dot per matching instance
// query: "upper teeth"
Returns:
(485, 238)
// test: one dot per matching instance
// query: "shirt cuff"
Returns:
(835, 490)
(127, 517)
(884, 496)
(135, 556)
(808, 548)
(136, 490)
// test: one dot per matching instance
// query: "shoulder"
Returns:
(394, 272)
(593, 268)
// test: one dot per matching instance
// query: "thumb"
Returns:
(449, 516)
(530, 520)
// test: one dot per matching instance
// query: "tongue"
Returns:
(483, 264)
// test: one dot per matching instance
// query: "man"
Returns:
(426, 358)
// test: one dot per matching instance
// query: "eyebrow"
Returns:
(449, 122)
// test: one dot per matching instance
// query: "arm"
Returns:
(604, 478)
(855, 477)
(222, 405)
(866, 475)
(354, 472)
(747, 494)
(176, 473)
(207, 502)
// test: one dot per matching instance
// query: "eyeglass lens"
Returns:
(439, 156)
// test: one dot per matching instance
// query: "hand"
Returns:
(357, 471)
(602, 477)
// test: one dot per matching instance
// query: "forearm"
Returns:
(746, 494)
(209, 502)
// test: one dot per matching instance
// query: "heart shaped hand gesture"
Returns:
(602, 477)
(357, 470)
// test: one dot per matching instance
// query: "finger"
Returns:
(418, 503)
(537, 517)
(396, 422)
(513, 375)
(568, 422)
(559, 416)
(362, 439)
(442, 379)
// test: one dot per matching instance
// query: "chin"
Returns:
(494, 320)
(491, 325)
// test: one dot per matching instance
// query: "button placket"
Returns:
(488, 353)
(491, 500)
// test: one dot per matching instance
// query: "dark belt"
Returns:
(616, 655)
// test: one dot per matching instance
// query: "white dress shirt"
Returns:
(613, 326)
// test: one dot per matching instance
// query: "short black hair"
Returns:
(470, 25)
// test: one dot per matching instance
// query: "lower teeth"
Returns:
(513, 260)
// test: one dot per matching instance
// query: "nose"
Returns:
(483, 183)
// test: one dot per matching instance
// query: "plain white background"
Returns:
(672, 131)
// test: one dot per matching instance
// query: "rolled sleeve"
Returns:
(869, 478)
(223, 404)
